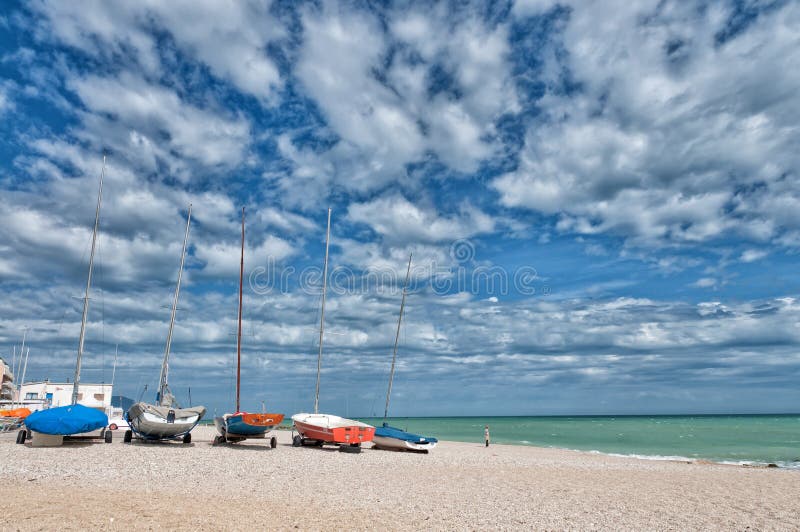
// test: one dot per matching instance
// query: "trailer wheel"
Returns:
(218, 440)
(273, 442)
(128, 436)
(187, 438)
(22, 436)
(354, 448)
(297, 441)
(107, 436)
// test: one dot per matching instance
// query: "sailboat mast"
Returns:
(77, 380)
(239, 332)
(18, 370)
(114, 369)
(397, 339)
(164, 377)
(14, 371)
(24, 370)
(322, 312)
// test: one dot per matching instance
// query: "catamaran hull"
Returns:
(152, 422)
(383, 442)
(326, 428)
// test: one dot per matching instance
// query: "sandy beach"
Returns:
(457, 486)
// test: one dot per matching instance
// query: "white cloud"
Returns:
(398, 220)
(5, 100)
(153, 117)
(284, 221)
(336, 67)
(230, 38)
(385, 113)
(533, 7)
(705, 282)
(670, 137)
(752, 255)
(221, 259)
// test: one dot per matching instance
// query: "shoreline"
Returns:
(792, 466)
(456, 486)
(795, 465)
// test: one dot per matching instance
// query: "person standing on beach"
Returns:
(486, 435)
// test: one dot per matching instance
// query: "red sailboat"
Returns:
(243, 425)
(319, 429)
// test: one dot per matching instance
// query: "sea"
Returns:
(733, 439)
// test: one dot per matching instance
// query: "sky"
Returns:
(601, 198)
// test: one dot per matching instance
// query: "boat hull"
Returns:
(392, 438)
(395, 444)
(327, 428)
(153, 422)
(243, 425)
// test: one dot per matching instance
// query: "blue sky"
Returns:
(601, 197)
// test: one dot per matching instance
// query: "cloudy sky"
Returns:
(602, 200)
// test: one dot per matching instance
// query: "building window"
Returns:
(31, 395)
(99, 396)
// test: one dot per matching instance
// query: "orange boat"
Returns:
(20, 413)
(326, 428)
(319, 429)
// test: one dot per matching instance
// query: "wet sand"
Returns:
(457, 486)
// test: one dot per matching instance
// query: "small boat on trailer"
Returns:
(392, 438)
(162, 422)
(12, 419)
(48, 428)
(76, 421)
(165, 420)
(241, 426)
(320, 429)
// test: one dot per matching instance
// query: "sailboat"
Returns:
(165, 420)
(240, 425)
(49, 426)
(387, 437)
(319, 429)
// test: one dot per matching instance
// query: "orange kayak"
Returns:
(17, 412)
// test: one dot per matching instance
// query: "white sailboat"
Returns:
(387, 437)
(165, 420)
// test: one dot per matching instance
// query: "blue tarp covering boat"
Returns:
(66, 420)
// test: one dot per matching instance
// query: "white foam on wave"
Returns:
(647, 456)
(666, 458)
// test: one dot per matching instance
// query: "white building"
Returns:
(7, 388)
(46, 394)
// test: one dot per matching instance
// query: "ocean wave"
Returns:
(667, 458)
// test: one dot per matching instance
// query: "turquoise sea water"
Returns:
(759, 439)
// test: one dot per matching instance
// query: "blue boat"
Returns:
(66, 420)
(392, 438)
(387, 437)
(75, 418)
(240, 425)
